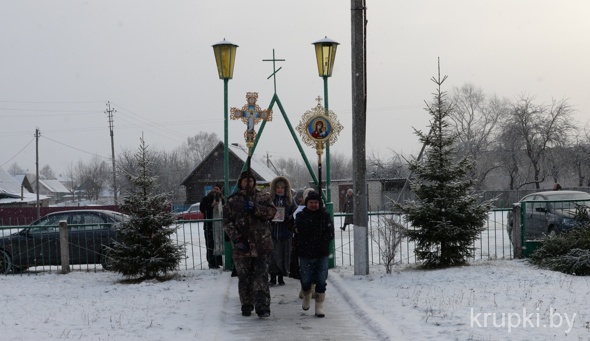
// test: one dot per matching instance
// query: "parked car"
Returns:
(549, 213)
(192, 213)
(39, 244)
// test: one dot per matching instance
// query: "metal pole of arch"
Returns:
(225, 58)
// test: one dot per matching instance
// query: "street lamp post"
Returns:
(325, 52)
(225, 58)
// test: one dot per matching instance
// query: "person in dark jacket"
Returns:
(348, 207)
(212, 202)
(282, 229)
(314, 231)
(294, 266)
(246, 219)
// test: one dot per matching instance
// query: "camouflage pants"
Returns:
(253, 281)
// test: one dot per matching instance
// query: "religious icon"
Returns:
(251, 114)
(319, 127)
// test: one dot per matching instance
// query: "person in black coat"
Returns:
(208, 205)
(348, 207)
(314, 231)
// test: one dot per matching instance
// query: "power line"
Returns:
(78, 149)
(59, 112)
(53, 102)
(18, 153)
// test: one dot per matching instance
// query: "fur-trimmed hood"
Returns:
(288, 193)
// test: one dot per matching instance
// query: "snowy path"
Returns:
(346, 316)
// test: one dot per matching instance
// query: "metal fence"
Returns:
(493, 243)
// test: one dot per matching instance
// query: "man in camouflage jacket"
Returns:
(246, 219)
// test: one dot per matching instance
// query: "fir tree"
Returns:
(446, 217)
(144, 249)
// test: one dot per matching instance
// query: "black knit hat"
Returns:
(246, 174)
(313, 196)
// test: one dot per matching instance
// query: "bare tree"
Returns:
(509, 153)
(558, 162)
(579, 155)
(475, 123)
(197, 147)
(94, 176)
(388, 235)
(15, 169)
(394, 166)
(71, 179)
(340, 166)
(295, 171)
(47, 173)
(540, 127)
(170, 169)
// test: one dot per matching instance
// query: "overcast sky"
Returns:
(63, 60)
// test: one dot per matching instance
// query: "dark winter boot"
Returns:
(281, 281)
(263, 313)
(247, 310)
(273, 280)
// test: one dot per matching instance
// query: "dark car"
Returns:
(192, 213)
(38, 244)
(549, 213)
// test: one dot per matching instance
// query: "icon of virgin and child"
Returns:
(320, 128)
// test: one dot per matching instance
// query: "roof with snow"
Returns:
(10, 191)
(53, 186)
(8, 184)
(257, 166)
(240, 152)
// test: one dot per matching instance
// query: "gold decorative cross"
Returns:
(251, 114)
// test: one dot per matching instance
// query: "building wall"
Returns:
(209, 173)
(374, 189)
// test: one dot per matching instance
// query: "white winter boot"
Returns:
(306, 300)
(319, 304)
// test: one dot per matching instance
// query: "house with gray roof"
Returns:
(12, 192)
(210, 171)
(52, 188)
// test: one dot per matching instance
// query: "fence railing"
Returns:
(493, 243)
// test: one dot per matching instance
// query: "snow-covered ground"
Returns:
(488, 300)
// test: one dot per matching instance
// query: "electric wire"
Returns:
(78, 149)
(18, 153)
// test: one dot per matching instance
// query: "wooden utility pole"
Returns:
(110, 112)
(359, 127)
(37, 135)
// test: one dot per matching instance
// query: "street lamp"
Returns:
(225, 58)
(325, 52)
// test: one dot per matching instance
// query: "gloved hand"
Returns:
(249, 205)
(241, 244)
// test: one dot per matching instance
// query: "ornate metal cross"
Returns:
(251, 114)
